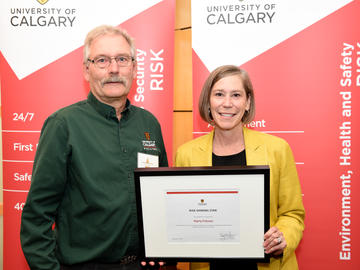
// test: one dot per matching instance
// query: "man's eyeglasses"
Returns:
(105, 61)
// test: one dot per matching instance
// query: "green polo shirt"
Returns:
(83, 182)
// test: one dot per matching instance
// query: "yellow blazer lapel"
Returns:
(204, 151)
(255, 149)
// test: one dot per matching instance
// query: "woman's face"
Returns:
(228, 102)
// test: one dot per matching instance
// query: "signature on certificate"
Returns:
(227, 236)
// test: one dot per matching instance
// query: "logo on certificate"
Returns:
(202, 202)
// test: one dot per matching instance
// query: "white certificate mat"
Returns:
(203, 213)
(203, 216)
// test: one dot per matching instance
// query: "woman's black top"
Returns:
(232, 160)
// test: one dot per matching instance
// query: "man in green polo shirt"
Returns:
(83, 170)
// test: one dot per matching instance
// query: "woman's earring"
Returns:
(211, 118)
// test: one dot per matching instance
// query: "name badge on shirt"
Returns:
(147, 161)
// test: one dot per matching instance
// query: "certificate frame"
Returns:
(157, 208)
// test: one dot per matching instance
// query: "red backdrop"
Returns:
(307, 90)
(28, 101)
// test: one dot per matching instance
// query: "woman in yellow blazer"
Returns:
(227, 102)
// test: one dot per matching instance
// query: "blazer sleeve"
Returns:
(290, 210)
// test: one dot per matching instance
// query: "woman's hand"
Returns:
(274, 242)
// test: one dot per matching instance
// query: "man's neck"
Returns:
(117, 103)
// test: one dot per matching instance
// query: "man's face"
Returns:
(114, 82)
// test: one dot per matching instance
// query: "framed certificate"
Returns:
(203, 213)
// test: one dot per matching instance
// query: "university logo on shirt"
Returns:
(148, 144)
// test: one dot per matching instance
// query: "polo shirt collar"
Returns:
(105, 110)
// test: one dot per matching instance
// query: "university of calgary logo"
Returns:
(43, 2)
(150, 145)
(202, 202)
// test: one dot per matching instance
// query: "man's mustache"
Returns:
(115, 79)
